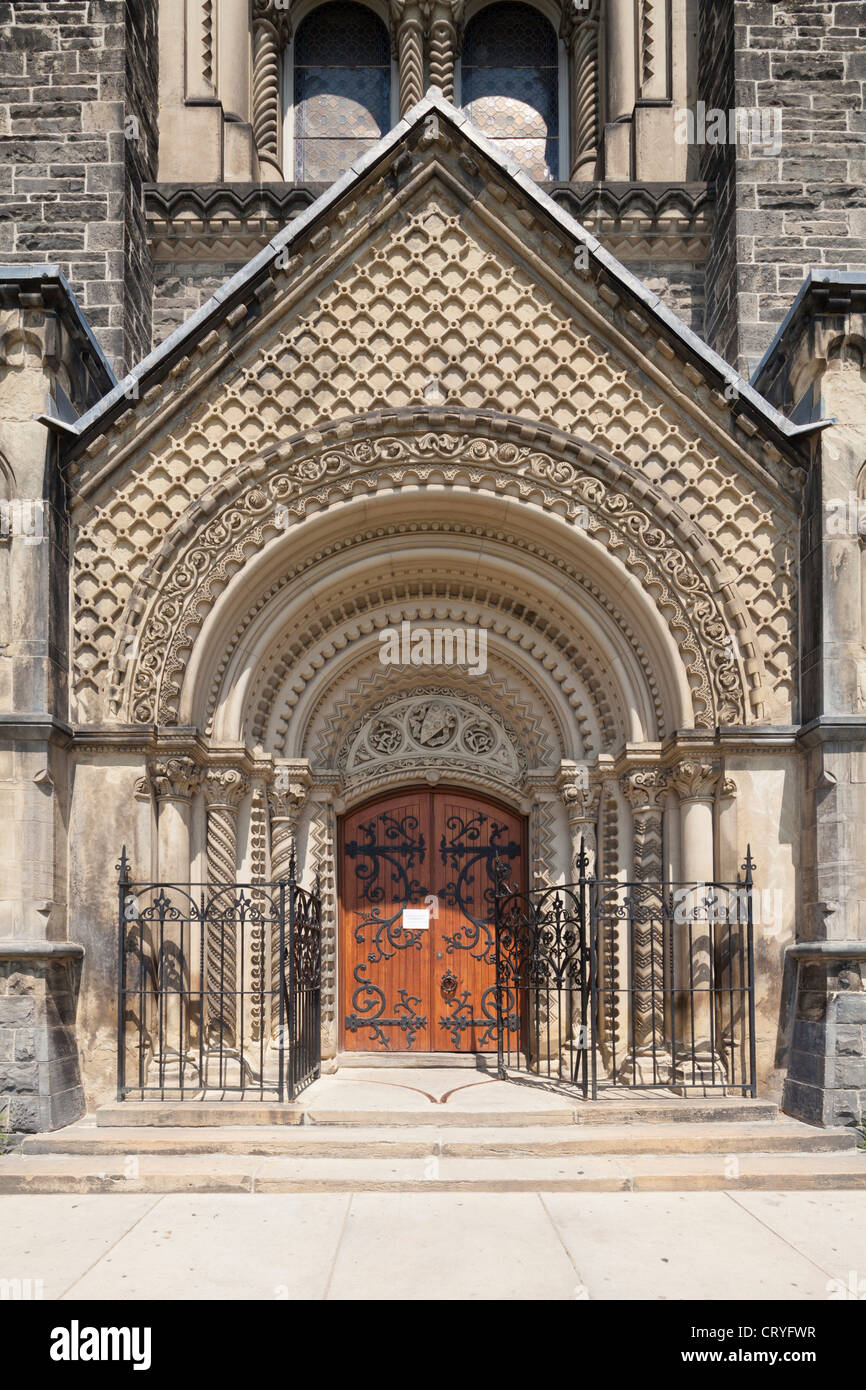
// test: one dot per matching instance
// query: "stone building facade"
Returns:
(477, 366)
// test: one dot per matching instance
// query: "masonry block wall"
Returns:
(718, 168)
(78, 137)
(779, 214)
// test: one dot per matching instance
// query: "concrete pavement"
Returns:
(438, 1245)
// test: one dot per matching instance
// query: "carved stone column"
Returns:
(621, 88)
(407, 27)
(271, 33)
(649, 1057)
(695, 780)
(445, 19)
(580, 33)
(287, 798)
(175, 780)
(581, 806)
(224, 789)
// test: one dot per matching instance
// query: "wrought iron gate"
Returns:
(219, 988)
(641, 984)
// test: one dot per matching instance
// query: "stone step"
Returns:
(32, 1173)
(532, 1108)
(775, 1136)
(157, 1113)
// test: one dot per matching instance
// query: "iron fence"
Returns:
(641, 984)
(219, 988)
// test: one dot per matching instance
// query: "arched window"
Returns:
(510, 84)
(342, 89)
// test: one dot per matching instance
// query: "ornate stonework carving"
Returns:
(501, 605)
(529, 715)
(579, 31)
(405, 734)
(610, 516)
(407, 20)
(646, 789)
(445, 21)
(687, 510)
(174, 778)
(695, 779)
(224, 789)
(271, 31)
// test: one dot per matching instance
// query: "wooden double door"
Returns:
(417, 955)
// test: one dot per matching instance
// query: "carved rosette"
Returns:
(645, 791)
(580, 33)
(271, 32)
(224, 789)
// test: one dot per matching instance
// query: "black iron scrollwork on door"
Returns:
(463, 850)
(395, 843)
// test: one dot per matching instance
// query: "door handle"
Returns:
(448, 984)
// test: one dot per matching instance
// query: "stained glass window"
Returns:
(342, 89)
(510, 84)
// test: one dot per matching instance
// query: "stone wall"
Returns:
(778, 214)
(40, 1078)
(78, 101)
(179, 288)
(717, 167)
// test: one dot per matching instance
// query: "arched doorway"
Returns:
(416, 877)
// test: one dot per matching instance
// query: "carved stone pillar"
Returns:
(287, 798)
(649, 1057)
(695, 781)
(407, 27)
(621, 88)
(224, 789)
(175, 781)
(580, 33)
(581, 806)
(271, 33)
(445, 18)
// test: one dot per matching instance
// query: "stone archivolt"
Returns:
(429, 300)
(694, 607)
(293, 666)
(346, 703)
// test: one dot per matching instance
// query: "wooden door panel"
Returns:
(468, 833)
(386, 970)
(422, 990)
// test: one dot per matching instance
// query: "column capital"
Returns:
(225, 787)
(174, 778)
(645, 789)
(576, 13)
(695, 779)
(580, 797)
(288, 793)
(266, 12)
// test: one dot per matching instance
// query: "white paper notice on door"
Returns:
(416, 919)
